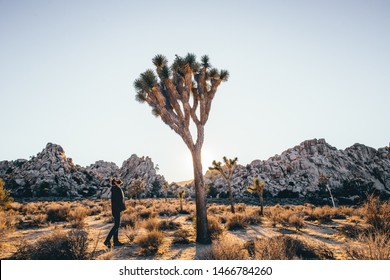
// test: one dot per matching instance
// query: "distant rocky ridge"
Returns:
(51, 174)
(352, 172)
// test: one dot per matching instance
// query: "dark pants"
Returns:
(115, 228)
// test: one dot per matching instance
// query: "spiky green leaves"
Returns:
(144, 84)
(205, 61)
(257, 186)
(159, 60)
(224, 75)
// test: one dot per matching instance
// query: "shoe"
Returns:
(118, 243)
(107, 243)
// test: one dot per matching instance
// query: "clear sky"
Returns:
(298, 70)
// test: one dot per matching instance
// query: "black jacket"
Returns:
(117, 200)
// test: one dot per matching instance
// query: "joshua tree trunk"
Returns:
(231, 197)
(202, 231)
(331, 195)
(261, 202)
(181, 204)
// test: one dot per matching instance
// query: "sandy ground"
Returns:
(98, 227)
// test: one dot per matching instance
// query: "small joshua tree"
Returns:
(136, 187)
(181, 194)
(323, 183)
(5, 197)
(227, 173)
(164, 188)
(258, 187)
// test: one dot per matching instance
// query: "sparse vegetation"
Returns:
(5, 197)
(58, 245)
(150, 242)
(360, 232)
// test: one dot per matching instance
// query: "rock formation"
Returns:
(352, 173)
(51, 174)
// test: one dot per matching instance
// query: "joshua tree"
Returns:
(164, 188)
(180, 94)
(227, 174)
(323, 183)
(181, 194)
(258, 187)
(136, 187)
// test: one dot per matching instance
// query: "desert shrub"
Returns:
(128, 219)
(216, 209)
(350, 231)
(253, 217)
(58, 213)
(168, 225)
(240, 207)
(372, 245)
(58, 245)
(150, 242)
(8, 220)
(215, 228)
(377, 214)
(182, 236)
(286, 248)
(296, 220)
(130, 233)
(95, 210)
(77, 216)
(151, 224)
(226, 248)
(321, 214)
(167, 211)
(39, 219)
(5, 196)
(236, 222)
(146, 214)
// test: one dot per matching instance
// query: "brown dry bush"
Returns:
(236, 222)
(57, 212)
(128, 219)
(182, 236)
(296, 220)
(215, 228)
(372, 245)
(151, 224)
(253, 217)
(130, 233)
(150, 242)
(77, 216)
(240, 207)
(8, 220)
(321, 214)
(226, 248)
(58, 245)
(168, 225)
(377, 214)
(286, 248)
(39, 219)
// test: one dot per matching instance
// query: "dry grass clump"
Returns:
(182, 236)
(371, 246)
(146, 214)
(377, 214)
(151, 224)
(253, 216)
(286, 248)
(321, 214)
(150, 242)
(57, 212)
(58, 245)
(226, 248)
(296, 220)
(236, 222)
(240, 207)
(38, 220)
(215, 209)
(77, 216)
(128, 219)
(215, 228)
(168, 225)
(130, 233)
(8, 220)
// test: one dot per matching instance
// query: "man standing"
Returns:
(117, 206)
